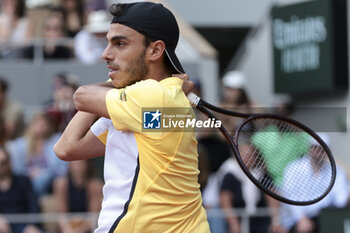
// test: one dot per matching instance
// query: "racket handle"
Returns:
(194, 99)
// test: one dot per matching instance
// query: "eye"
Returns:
(120, 43)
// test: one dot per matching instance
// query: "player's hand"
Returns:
(188, 85)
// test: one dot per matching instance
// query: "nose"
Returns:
(107, 55)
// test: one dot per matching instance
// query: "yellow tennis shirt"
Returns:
(151, 178)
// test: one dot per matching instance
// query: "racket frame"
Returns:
(300, 126)
(202, 106)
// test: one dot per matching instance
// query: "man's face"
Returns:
(125, 55)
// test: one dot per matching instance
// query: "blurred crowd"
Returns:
(34, 180)
(53, 29)
(225, 187)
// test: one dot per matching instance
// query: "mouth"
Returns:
(112, 69)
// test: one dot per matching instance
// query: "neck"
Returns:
(157, 72)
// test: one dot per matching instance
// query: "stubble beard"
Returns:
(137, 70)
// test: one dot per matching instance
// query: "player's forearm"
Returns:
(67, 147)
(92, 98)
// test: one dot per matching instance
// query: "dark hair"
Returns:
(117, 9)
(3, 85)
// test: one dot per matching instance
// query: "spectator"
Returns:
(33, 154)
(90, 42)
(78, 192)
(11, 112)
(237, 191)
(234, 93)
(269, 150)
(214, 150)
(285, 106)
(235, 98)
(62, 109)
(203, 159)
(59, 80)
(73, 16)
(16, 197)
(300, 219)
(52, 34)
(14, 25)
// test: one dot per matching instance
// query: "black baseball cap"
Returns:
(154, 21)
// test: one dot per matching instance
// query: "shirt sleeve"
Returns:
(100, 129)
(125, 105)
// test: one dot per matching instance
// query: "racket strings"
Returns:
(250, 131)
(284, 159)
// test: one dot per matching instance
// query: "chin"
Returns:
(119, 85)
(124, 84)
(116, 82)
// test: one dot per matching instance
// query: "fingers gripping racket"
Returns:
(282, 157)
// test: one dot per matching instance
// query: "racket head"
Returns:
(285, 159)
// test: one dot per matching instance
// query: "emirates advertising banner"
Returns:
(309, 41)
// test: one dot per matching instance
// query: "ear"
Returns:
(156, 50)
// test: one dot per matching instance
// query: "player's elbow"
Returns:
(78, 98)
(63, 152)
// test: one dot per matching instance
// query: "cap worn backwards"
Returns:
(153, 21)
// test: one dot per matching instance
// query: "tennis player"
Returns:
(150, 177)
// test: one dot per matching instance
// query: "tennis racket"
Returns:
(282, 157)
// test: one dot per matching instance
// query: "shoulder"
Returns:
(144, 85)
(142, 93)
(171, 83)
